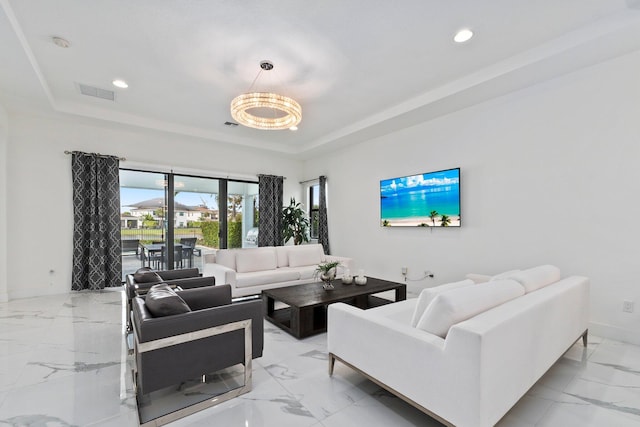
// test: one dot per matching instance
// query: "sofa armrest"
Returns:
(206, 297)
(193, 282)
(413, 362)
(183, 273)
(149, 328)
(363, 323)
(224, 275)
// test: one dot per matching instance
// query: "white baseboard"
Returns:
(613, 332)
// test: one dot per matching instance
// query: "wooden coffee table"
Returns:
(306, 311)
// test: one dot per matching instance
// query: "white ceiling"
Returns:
(359, 68)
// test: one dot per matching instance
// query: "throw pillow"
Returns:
(427, 295)
(258, 259)
(304, 255)
(146, 275)
(478, 278)
(161, 300)
(226, 257)
(454, 306)
(505, 275)
(537, 277)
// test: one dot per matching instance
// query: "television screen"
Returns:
(424, 200)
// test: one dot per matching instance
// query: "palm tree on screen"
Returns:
(433, 216)
(445, 221)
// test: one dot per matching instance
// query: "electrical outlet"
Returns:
(404, 271)
(627, 306)
(428, 273)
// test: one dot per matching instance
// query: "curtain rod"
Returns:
(122, 159)
(309, 180)
(266, 174)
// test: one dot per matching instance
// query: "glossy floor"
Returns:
(64, 363)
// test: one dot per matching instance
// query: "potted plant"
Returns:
(327, 272)
(295, 223)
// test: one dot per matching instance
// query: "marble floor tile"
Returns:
(379, 410)
(64, 362)
(585, 415)
(306, 376)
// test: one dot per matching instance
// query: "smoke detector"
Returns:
(60, 42)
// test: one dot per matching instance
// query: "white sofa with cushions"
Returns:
(465, 352)
(251, 270)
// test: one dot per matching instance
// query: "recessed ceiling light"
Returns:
(293, 128)
(463, 35)
(120, 83)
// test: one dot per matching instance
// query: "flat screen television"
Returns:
(425, 200)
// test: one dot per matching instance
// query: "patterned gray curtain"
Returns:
(323, 225)
(270, 194)
(96, 218)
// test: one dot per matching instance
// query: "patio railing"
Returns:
(146, 235)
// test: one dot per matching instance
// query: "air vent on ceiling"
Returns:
(230, 124)
(97, 92)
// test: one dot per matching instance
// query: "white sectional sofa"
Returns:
(251, 270)
(488, 344)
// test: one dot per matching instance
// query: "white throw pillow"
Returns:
(304, 255)
(505, 275)
(457, 305)
(427, 295)
(478, 278)
(537, 277)
(226, 257)
(259, 259)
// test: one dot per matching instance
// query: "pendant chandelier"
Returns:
(266, 110)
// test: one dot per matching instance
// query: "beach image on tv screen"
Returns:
(424, 200)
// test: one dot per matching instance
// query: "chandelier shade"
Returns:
(266, 110)
(286, 111)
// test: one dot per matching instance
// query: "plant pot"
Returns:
(327, 286)
(328, 276)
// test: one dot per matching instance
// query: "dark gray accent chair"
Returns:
(172, 365)
(130, 245)
(191, 242)
(187, 278)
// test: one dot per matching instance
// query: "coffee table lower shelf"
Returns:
(305, 317)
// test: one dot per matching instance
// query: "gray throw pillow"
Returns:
(161, 300)
(146, 275)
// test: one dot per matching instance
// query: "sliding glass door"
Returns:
(171, 221)
(196, 219)
(143, 213)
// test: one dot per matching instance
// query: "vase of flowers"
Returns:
(327, 272)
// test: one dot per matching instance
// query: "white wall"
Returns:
(549, 174)
(40, 197)
(4, 130)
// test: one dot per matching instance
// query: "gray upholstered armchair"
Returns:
(179, 347)
(186, 278)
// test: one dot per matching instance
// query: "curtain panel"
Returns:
(96, 221)
(270, 189)
(323, 224)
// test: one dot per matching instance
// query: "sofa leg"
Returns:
(332, 363)
(584, 338)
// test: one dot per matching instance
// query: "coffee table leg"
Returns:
(401, 293)
(301, 321)
(295, 321)
(269, 306)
